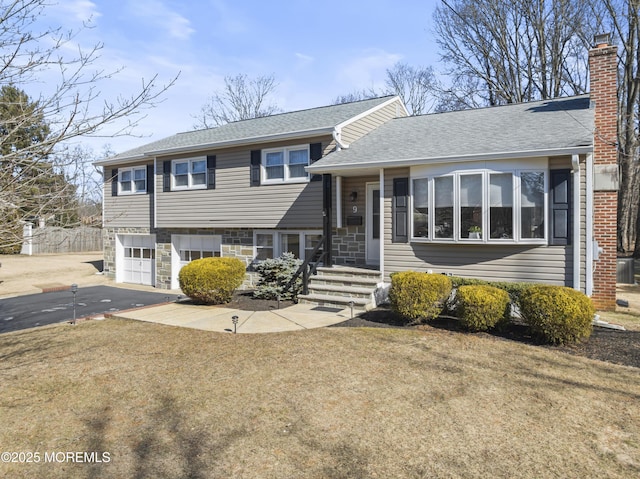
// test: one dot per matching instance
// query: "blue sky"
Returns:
(316, 50)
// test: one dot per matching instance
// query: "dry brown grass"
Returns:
(329, 403)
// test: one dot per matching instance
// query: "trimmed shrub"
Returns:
(557, 314)
(482, 307)
(212, 280)
(419, 297)
(514, 289)
(275, 274)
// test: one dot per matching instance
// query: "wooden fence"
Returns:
(53, 239)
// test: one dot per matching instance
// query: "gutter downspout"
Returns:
(575, 163)
(337, 137)
(589, 226)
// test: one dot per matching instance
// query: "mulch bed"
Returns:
(619, 347)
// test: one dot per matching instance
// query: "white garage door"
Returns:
(188, 248)
(138, 259)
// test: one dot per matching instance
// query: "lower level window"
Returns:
(274, 243)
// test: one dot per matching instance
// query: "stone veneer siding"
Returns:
(109, 246)
(236, 243)
(349, 245)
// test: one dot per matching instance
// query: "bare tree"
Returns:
(357, 95)
(519, 50)
(416, 86)
(71, 109)
(243, 98)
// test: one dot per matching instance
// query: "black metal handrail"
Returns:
(308, 267)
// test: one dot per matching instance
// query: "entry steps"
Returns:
(338, 286)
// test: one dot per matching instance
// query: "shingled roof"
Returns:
(302, 123)
(542, 128)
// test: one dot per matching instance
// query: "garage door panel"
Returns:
(139, 259)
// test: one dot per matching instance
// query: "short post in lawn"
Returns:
(234, 320)
(351, 303)
(74, 290)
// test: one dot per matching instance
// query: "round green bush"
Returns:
(212, 280)
(482, 307)
(557, 314)
(418, 297)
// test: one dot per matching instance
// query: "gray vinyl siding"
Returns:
(126, 210)
(530, 263)
(235, 203)
(361, 127)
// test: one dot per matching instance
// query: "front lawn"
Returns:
(168, 402)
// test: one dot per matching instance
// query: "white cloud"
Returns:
(229, 19)
(154, 11)
(367, 70)
(81, 10)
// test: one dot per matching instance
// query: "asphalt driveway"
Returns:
(24, 312)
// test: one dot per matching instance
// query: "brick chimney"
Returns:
(603, 73)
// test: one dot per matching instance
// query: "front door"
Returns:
(373, 223)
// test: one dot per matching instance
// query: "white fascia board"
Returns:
(359, 116)
(402, 162)
(149, 155)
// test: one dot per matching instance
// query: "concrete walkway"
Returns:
(219, 318)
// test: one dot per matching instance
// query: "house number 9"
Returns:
(355, 209)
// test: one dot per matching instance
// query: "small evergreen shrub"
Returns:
(557, 314)
(482, 307)
(275, 274)
(419, 297)
(212, 280)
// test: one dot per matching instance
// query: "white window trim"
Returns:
(133, 191)
(287, 179)
(276, 240)
(189, 185)
(517, 217)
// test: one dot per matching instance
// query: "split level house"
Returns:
(522, 192)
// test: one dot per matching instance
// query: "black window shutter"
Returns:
(114, 182)
(211, 172)
(560, 207)
(256, 158)
(400, 210)
(166, 176)
(151, 179)
(315, 153)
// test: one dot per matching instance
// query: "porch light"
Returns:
(353, 196)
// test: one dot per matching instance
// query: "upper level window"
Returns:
(285, 164)
(132, 180)
(483, 206)
(189, 173)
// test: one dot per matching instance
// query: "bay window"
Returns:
(532, 204)
(443, 207)
(421, 208)
(471, 206)
(480, 206)
(500, 206)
